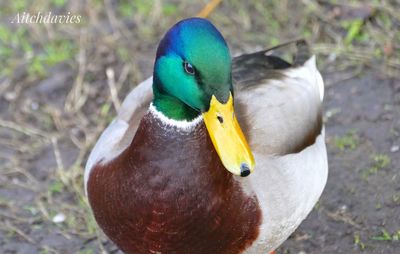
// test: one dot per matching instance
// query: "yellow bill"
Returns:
(228, 138)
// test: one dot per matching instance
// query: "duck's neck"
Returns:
(172, 107)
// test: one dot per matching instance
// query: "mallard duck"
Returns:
(211, 154)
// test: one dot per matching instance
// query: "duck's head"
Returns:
(192, 76)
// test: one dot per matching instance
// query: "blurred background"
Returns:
(60, 85)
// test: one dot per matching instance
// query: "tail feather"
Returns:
(263, 64)
(303, 53)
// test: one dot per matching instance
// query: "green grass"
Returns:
(386, 236)
(358, 242)
(125, 9)
(130, 8)
(169, 9)
(54, 52)
(379, 162)
(86, 251)
(56, 187)
(354, 31)
(59, 3)
(396, 198)
(347, 142)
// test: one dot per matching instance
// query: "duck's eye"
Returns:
(188, 68)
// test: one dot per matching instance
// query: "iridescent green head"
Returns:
(193, 63)
(192, 76)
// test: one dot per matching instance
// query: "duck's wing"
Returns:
(278, 103)
(120, 132)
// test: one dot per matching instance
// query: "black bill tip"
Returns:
(244, 170)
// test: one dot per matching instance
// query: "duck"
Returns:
(213, 153)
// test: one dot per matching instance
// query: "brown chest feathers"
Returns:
(169, 193)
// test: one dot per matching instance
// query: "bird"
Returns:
(213, 153)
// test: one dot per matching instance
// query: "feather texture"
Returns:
(279, 106)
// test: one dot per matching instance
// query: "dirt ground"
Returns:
(60, 86)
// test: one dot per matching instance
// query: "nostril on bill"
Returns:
(244, 170)
(220, 119)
